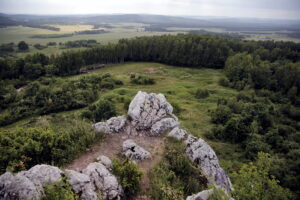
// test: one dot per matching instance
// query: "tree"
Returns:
(253, 182)
(23, 46)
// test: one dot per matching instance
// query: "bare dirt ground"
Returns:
(112, 147)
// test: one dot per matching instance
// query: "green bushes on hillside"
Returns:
(56, 143)
(53, 95)
(129, 175)
(175, 177)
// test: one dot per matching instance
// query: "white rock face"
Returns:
(205, 157)
(111, 126)
(81, 185)
(105, 161)
(177, 133)
(134, 151)
(163, 125)
(203, 195)
(104, 181)
(146, 109)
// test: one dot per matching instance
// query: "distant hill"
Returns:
(162, 21)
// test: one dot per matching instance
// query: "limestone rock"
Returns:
(177, 133)
(104, 181)
(105, 161)
(111, 126)
(163, 125)
(81, 185)
(205, 157)
(18, 187)
(41, 175)
(146, 109)
(203, 195)
(134, 151)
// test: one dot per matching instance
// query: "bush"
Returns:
(23, 46)
(61, 190)
(221, 114)
(253, 182)
(141, 80)
(201, 93)
(129, 175)
(56, 143)
(102, 110)
(224, 82)
(175, 177)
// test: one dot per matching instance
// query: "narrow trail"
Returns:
(111, 147)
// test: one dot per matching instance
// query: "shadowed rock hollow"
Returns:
(148, 115)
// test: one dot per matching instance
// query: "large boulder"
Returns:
(81, 185)
(111, 126)
(28, 184)
(203, 195)
(177, 133)
(104, 181)
(18, 187)
(134, 151)
(42, 175)
(146, 109)
(205, 157)
(163, 125)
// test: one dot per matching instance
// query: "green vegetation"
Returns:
(264, 116)
(100, 111)
(60, 191)
(141, 80)
(23, 46)
(175, 177)
(55, 140)
(128, 174)
(253, 182)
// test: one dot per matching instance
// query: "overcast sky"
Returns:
(285, 9)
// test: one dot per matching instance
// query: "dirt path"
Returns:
(112, 146)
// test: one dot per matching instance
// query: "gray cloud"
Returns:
(230, 8)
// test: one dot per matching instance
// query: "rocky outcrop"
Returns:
(104, 180)
(147, 109)
(81, 185)
(111, 126)
(203, 195)
(205, 158)
(28, 184)
(177, 133)
(18, 187)
(134, 151)
(148, 115)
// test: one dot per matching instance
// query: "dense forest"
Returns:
(263, 117)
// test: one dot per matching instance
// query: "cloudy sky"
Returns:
(285, 9)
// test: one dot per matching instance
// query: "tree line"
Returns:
(190, 50)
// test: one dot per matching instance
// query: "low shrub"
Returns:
(102, 110)
(141, 80)
(201, 93)
(61, 190)
(129, 175)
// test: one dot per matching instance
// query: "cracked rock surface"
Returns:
(205, 158)
(134, 151)
(147, 109)
(104, 181)
(111, 126)
(177, 133)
